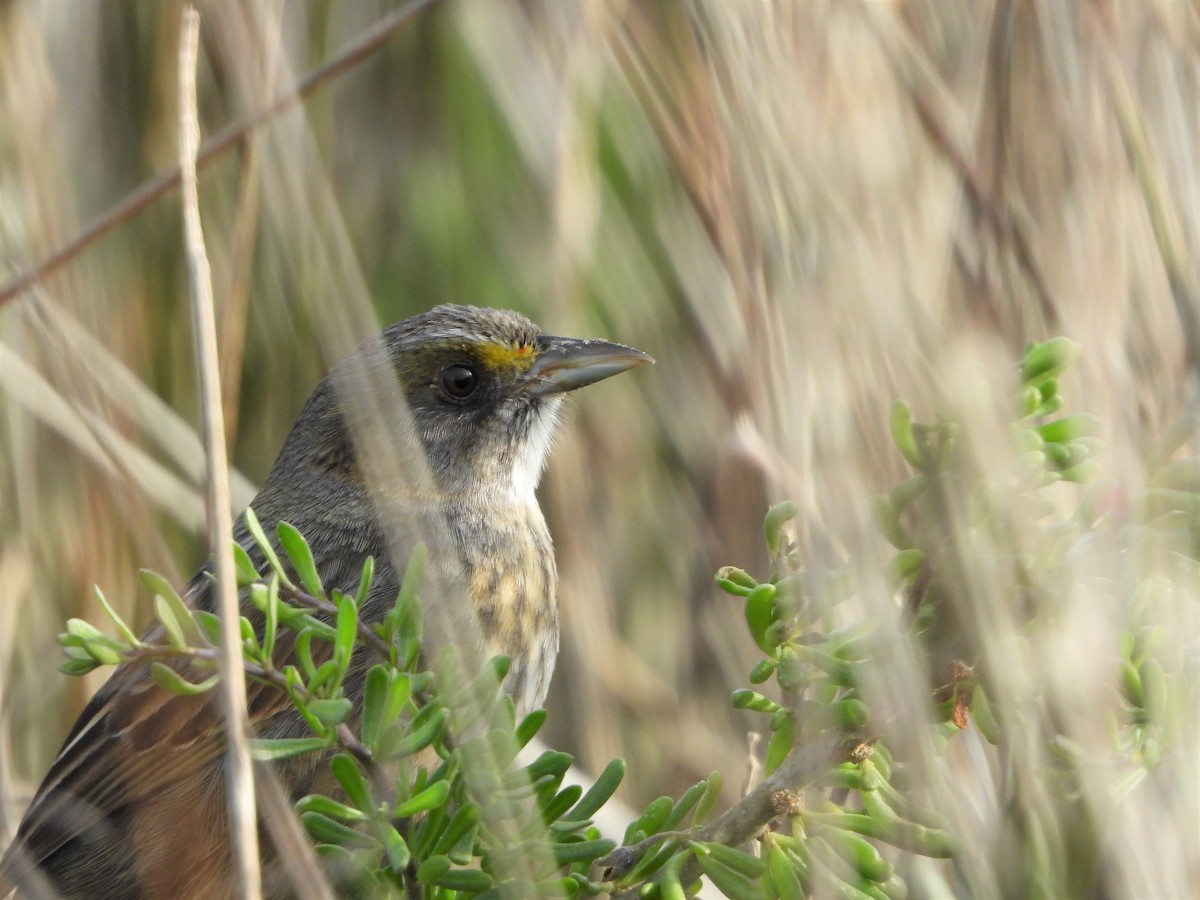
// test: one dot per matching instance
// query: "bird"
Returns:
(134, 805)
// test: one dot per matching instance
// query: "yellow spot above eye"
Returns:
(517, 355)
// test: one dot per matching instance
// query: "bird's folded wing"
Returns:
(134, 741)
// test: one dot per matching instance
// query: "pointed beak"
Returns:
(565, 364)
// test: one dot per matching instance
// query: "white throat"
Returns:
(531, 462)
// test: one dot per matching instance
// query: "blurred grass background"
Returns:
(801, 209)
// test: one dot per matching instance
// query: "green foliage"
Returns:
(816, 844)
(1161, 521)
(431, 799)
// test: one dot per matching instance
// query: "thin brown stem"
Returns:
(316, 604)
(243, 817)
(750, 815)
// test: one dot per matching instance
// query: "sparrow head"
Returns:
(484, 388)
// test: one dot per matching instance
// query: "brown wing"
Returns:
(134, 804)
(137, 753)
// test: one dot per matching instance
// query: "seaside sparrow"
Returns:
(135, 805)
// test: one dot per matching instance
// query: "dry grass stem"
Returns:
(242, 814)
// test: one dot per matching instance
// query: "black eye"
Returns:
(459, 381)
